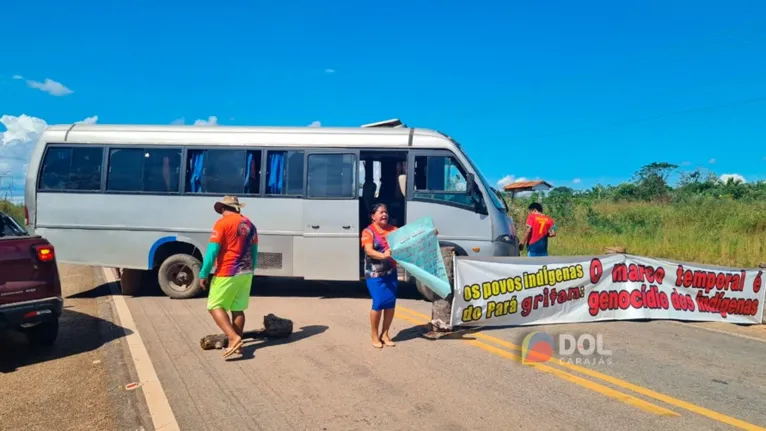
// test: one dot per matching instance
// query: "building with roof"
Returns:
(526, 186)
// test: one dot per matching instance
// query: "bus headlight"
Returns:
(504, 238)
(505, 245)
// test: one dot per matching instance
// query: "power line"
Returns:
(655, 117)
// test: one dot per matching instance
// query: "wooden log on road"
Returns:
(273, 327)
(441, 308)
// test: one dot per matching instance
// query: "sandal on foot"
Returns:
(233, 349)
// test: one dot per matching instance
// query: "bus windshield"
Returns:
(493, 195)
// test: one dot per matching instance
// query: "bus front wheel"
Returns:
(179, 276)
(425, 292)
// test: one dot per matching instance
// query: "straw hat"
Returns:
(228, 201)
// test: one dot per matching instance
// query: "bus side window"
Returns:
(441, 178)
(284, 173)
(224, 172)
(253, 172)
(76, 169)
(331, 175)
(144, 170)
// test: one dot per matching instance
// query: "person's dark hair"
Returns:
(535, 206)
(376, 207)
(229, 208)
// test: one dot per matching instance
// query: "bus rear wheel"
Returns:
(179, 276)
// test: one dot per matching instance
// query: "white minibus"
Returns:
(141, 197)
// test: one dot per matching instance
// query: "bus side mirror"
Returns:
(470, 183)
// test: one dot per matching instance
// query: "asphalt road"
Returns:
(660, 375)
(79, 383)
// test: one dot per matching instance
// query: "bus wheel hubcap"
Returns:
(180, 277)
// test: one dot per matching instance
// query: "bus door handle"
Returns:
(314, 226)
(347, 227)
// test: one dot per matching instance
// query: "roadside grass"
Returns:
(711, 231)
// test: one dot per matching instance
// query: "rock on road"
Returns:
(327, 376)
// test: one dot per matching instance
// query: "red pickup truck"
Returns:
(30, 288)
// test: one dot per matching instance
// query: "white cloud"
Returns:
(711, 161)
(89, 120)
(16, 145)
(17, 77)
(315, 124)
(329, 71)
(576, 181)
(211, 121)
(736, 177)
(54, 88)
(502, 182)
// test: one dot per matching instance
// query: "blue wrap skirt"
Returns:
(383, 291)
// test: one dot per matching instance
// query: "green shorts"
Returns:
(230, 293)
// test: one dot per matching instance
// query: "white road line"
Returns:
(159, 407)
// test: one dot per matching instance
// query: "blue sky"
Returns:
(576, 93)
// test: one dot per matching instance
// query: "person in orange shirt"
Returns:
(540, 227)
(234, 249)
(380, 274)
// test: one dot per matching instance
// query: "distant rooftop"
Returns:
(527, 186)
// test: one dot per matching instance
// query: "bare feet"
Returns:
(387, 340)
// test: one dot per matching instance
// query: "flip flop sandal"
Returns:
(232, 350)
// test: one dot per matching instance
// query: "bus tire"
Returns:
(425, 292)
(178, 276)
(446, 249)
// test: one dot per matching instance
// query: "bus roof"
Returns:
(240, 135)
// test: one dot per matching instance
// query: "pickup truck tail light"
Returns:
(45, 253)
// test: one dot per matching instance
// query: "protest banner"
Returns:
(414, 246)
(551, 290)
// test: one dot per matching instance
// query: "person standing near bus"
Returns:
(540, 227)
(234, 249)
(380, 274)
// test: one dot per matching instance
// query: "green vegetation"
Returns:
(14, 210)
(700, 220)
